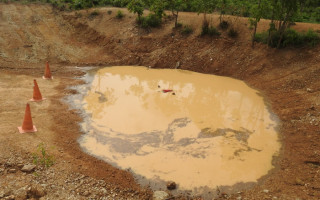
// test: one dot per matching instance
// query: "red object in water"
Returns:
(165, 91)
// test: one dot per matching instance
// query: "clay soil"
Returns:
(31, 34)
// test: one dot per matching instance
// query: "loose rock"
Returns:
(28, 168)
(37, 191)
(86, 193)
(12, 170)
(11, 197)
(160, 195)
(309, 90)
(7, 192)
(20, 165)
(299, 182)
(177, 65)
(171, 185)
(21, 193)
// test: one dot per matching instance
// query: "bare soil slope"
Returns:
(32, 34)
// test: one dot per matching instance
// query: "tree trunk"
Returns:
(282, 29)
(176, 20)
(280, 24)
(269, 33)
(205, 21)
(256, 24)
(254, 33)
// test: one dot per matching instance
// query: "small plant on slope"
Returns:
(41, 157)
(119, 15)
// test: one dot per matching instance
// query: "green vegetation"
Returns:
(136, 7)
(209, 30)
(305, 10)
(233, 33)
(150, 21)
(178, 25)
(93, 14)
(175, 6)
(41, 157)
(119, 15)
(281, 13)
(187, 30)
(224, 25)
(291, 38)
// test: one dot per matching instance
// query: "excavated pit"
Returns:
(201, 131)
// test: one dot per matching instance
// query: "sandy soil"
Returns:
(32, 34)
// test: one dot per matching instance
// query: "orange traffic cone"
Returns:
(36, 92)
(27, 126)
(47, 73)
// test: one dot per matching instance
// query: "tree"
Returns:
(286, 12)
(176, 6)
(205, 7)
(136, 7)
(272, 26)
(158, 7)
(257, 12)
(223, 7)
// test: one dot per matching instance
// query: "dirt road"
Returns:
(32, 34)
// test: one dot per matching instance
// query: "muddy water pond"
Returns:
(201, 131)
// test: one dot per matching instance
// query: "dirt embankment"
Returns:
(32, 34)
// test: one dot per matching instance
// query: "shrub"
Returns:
(224, 25)
(187, 30)
(109, 12)
(311, 38)
(79, 4)
(261, 37)
(290, 38)
(94, 14)
(119, 3)
(316, 14)
(233, 33)
(78, 14)
(179, 25)
(209, 30)
(119, 15)
(152, 20)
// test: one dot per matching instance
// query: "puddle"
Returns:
(208, 131)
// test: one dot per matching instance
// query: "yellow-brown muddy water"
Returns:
(209, 131)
